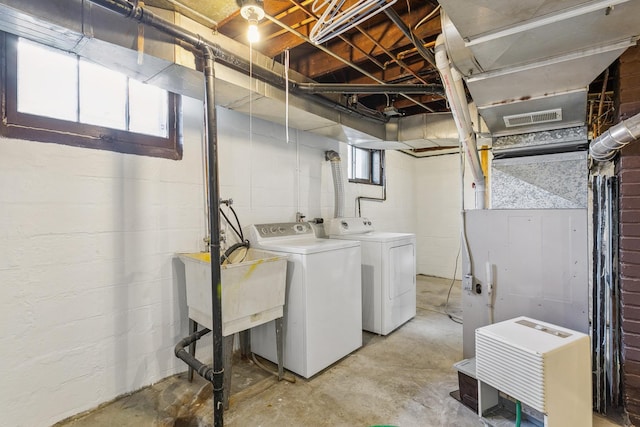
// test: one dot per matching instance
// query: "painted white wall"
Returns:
(91, 302)
(397, 213)
(89, 308)
(268, 178)
(438, 206)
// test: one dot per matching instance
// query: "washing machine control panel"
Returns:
(284, 229)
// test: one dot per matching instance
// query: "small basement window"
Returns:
(55, 96)
(366, 166)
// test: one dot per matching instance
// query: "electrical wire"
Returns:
(225, 256)
(427, 18)
(455, 318)
(237, 222)
(238, 233)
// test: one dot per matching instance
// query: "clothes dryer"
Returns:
(388, 273)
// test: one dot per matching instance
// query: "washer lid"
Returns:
(306, 246)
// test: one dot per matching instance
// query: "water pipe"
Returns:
(209, 53)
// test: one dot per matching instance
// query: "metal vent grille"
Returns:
(535, 117)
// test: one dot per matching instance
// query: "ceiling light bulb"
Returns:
(252, 33)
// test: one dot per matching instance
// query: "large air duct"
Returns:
(606, 146)
(338, 185)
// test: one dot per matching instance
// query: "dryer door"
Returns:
(402, 270)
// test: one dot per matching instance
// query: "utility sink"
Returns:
(253, 288)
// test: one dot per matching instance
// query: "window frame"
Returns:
(370, 181)
(19, 125)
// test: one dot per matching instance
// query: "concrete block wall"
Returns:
(271, 179)
(438, 203)
(397, 213)
(268, 183)
(91, 298)
(89, 307)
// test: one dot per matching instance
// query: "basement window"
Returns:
(366, 166)
(50, 95)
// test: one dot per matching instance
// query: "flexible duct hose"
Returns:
(606, 146)
(338, 185)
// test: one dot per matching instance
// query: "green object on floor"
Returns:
(518, 413)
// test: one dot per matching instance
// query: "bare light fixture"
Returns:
(253, 12)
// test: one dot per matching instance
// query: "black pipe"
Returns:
(417, 42)
(125, 8)
(368, 88)
(140, 14)
(203, 370)
(214, 227)
(350, 111)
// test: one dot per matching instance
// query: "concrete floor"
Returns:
(403, 379)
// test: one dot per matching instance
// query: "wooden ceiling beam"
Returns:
(393, 72)
(318, 63)
(385, 33)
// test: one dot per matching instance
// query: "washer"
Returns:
(323, 311)
(388, 273)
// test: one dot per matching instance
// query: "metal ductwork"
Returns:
(528, 64)
(609, 143)
(78, 26)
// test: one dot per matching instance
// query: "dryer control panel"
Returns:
(342, 226)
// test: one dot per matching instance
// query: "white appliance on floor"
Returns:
(388, 273)
(323, 309)
(545, 366)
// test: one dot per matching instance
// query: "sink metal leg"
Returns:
(245, 344)
(280, 346)
(227, 349)
(193, 327)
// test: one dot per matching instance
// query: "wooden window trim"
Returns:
(44, 129)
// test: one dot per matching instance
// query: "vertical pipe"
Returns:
(214, 226)
(461, 117)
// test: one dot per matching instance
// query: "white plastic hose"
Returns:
(338, 185)
(453, 86)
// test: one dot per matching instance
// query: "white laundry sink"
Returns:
(253, 288)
